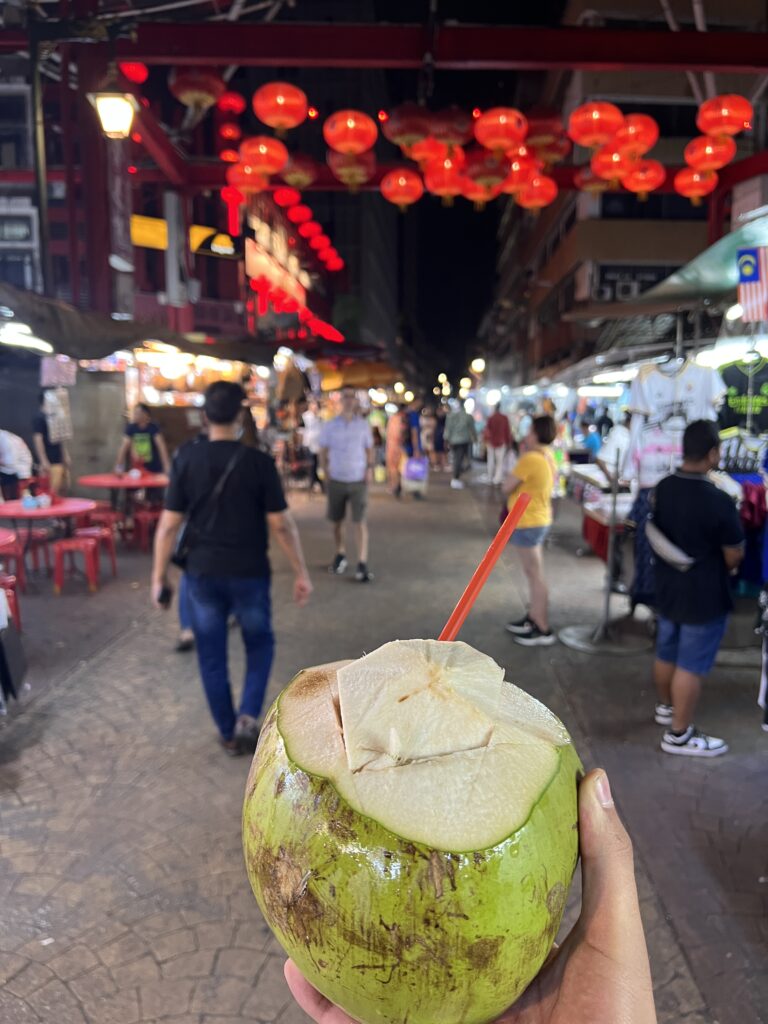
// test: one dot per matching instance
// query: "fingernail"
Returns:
(603, 787)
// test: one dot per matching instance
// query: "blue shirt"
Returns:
(414, 423)
(347, 442)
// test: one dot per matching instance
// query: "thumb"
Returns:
(609, 892)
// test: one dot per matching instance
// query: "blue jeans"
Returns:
(185, 606)
(690, 647)
(212, 600)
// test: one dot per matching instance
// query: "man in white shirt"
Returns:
(346, 457)
(15, 464)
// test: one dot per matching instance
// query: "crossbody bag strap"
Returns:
(210, 503)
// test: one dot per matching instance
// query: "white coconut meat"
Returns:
(426, 738)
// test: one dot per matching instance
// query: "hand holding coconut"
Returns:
(600, 975)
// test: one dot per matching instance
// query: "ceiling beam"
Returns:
(170, 162)
(454, 47)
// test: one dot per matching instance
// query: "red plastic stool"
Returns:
(39, 541)
(145, 520)
(8, 585)
(89, 548)
(15, 551)
(105, 536)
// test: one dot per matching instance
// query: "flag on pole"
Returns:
(753, 284)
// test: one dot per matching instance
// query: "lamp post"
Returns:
(115, 111)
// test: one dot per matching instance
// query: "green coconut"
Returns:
(410, 832)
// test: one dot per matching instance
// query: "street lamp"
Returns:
(115, 111)
(477, 365)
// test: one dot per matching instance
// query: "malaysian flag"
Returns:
(753, 284)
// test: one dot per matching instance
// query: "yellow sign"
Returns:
(152, 233)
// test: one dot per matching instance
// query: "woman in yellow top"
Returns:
(535, 474)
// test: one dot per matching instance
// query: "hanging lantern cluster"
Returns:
(719, 119)
(229, 107)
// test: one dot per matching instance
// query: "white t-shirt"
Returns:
(615, 447)
(347, 442)
(662, 405)
(311, 433)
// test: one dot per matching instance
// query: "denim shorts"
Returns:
(693, 648)
(529, 536)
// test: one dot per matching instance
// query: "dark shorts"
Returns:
(690, 647)
(339, 493)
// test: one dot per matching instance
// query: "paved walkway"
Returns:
(122, 890)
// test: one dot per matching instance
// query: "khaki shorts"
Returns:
(340, 493)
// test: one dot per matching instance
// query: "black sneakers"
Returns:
(693, 743)
(362, 575)
(339, 566)
(521, 626)
(532, 636)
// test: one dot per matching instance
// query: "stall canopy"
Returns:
(357, 374)
(711, 278)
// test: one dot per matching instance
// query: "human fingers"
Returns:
(320, 1009)
(610, 919)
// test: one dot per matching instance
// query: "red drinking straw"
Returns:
(483, 571)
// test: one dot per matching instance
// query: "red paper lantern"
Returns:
(265, 154)
(694, 185)
(636, 136)
(710, 153)
(522, 167)
(286, 197)
(426, 151)
(645, 177)
(611, 165)
(350, 131)
(544, 127)
(335, 266)
(229, 156)
(552, 152)
(406, 125)
(478, 194)
(230, 131)
(488, 168)
(724, 115)
(280, 105)
(319, 242)
(538, 193)
(402, 187)
(231, 103)
(352, 169)
(196, 87)
(245, 177)
(233, 197)
(134, 71)
(326, 254)
(443, 178)
(453, 126)
(594, 124)
(300, 171)
(585, 180)
(299, 214)
(310, 230)
(500, 128)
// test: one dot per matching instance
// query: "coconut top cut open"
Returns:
(426, 738)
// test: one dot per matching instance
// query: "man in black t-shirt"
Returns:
(702, 522)
(227, 567)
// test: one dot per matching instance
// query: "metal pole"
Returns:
(604, 627)
(41, 166)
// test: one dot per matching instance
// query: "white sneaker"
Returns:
(457, 485)
(663, 714)
(693, 744)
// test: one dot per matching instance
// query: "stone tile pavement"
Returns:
(123, 897)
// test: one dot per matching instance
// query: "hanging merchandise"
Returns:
(540, 191)
(500, 128)
(453, 126)
(645, 177)
(407, 125)
(196, 88)
(57, 415)
(264, 154)
(637, 136)
(594, 124)
(300, 171)
(725, 115)
(694, 185)
(350, 131)
(710, 153)
(443, 178)
(353, 170)
(746, 396)
(402, 187)
(280, 105)
(611, 164)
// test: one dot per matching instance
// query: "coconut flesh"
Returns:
(410, 832)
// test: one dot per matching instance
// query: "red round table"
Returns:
(64, 508)
(124, 482)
